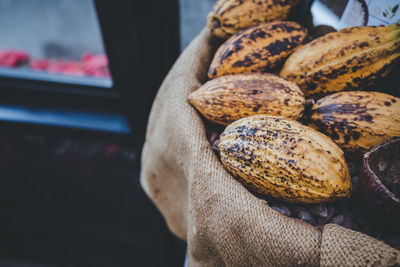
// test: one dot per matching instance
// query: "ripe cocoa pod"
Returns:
(260, 48)
(357, 120)
(349, 59)
(229, 98)
(284, 159)
(227, 17)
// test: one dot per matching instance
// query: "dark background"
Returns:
(72, 197)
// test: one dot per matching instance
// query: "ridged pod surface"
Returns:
(229, 98)
(349, 59)
(227, 17)
(357, 120)
(284, 159)
(260, 48)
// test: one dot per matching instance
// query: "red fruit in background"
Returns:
(40, 64)
(65, 67)
(90, 64)
(95, 65)
(13, 58)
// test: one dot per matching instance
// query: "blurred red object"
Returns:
(40, 64)
(65, 67)
(13, 58)
(90, 64)
(95, 65)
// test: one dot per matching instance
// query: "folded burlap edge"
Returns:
(222, 222)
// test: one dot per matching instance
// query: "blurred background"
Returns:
(77, 79)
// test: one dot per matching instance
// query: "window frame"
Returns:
(130, 51)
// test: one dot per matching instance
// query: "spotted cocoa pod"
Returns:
(260, 48)
(357, 120)
(227, 17)
(284, 159)
(349, 59)
(229, 98)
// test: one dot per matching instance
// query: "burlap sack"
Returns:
(222, 222)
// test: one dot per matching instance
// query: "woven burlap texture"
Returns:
(222, 222)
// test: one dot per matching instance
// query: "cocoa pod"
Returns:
(357, 120)
(227, 17)
(284, 159)
(349, 59)
(261, 48)
(229, 98)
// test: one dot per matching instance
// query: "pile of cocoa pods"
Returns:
(308, 121)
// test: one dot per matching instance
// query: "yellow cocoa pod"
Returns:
(284, 159)
(357, 120)
(260, 48)
(349, 59)
(229, 98)
(227, 17)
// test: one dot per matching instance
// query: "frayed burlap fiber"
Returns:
(222, 222)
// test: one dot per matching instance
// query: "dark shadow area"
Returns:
(69, 199)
